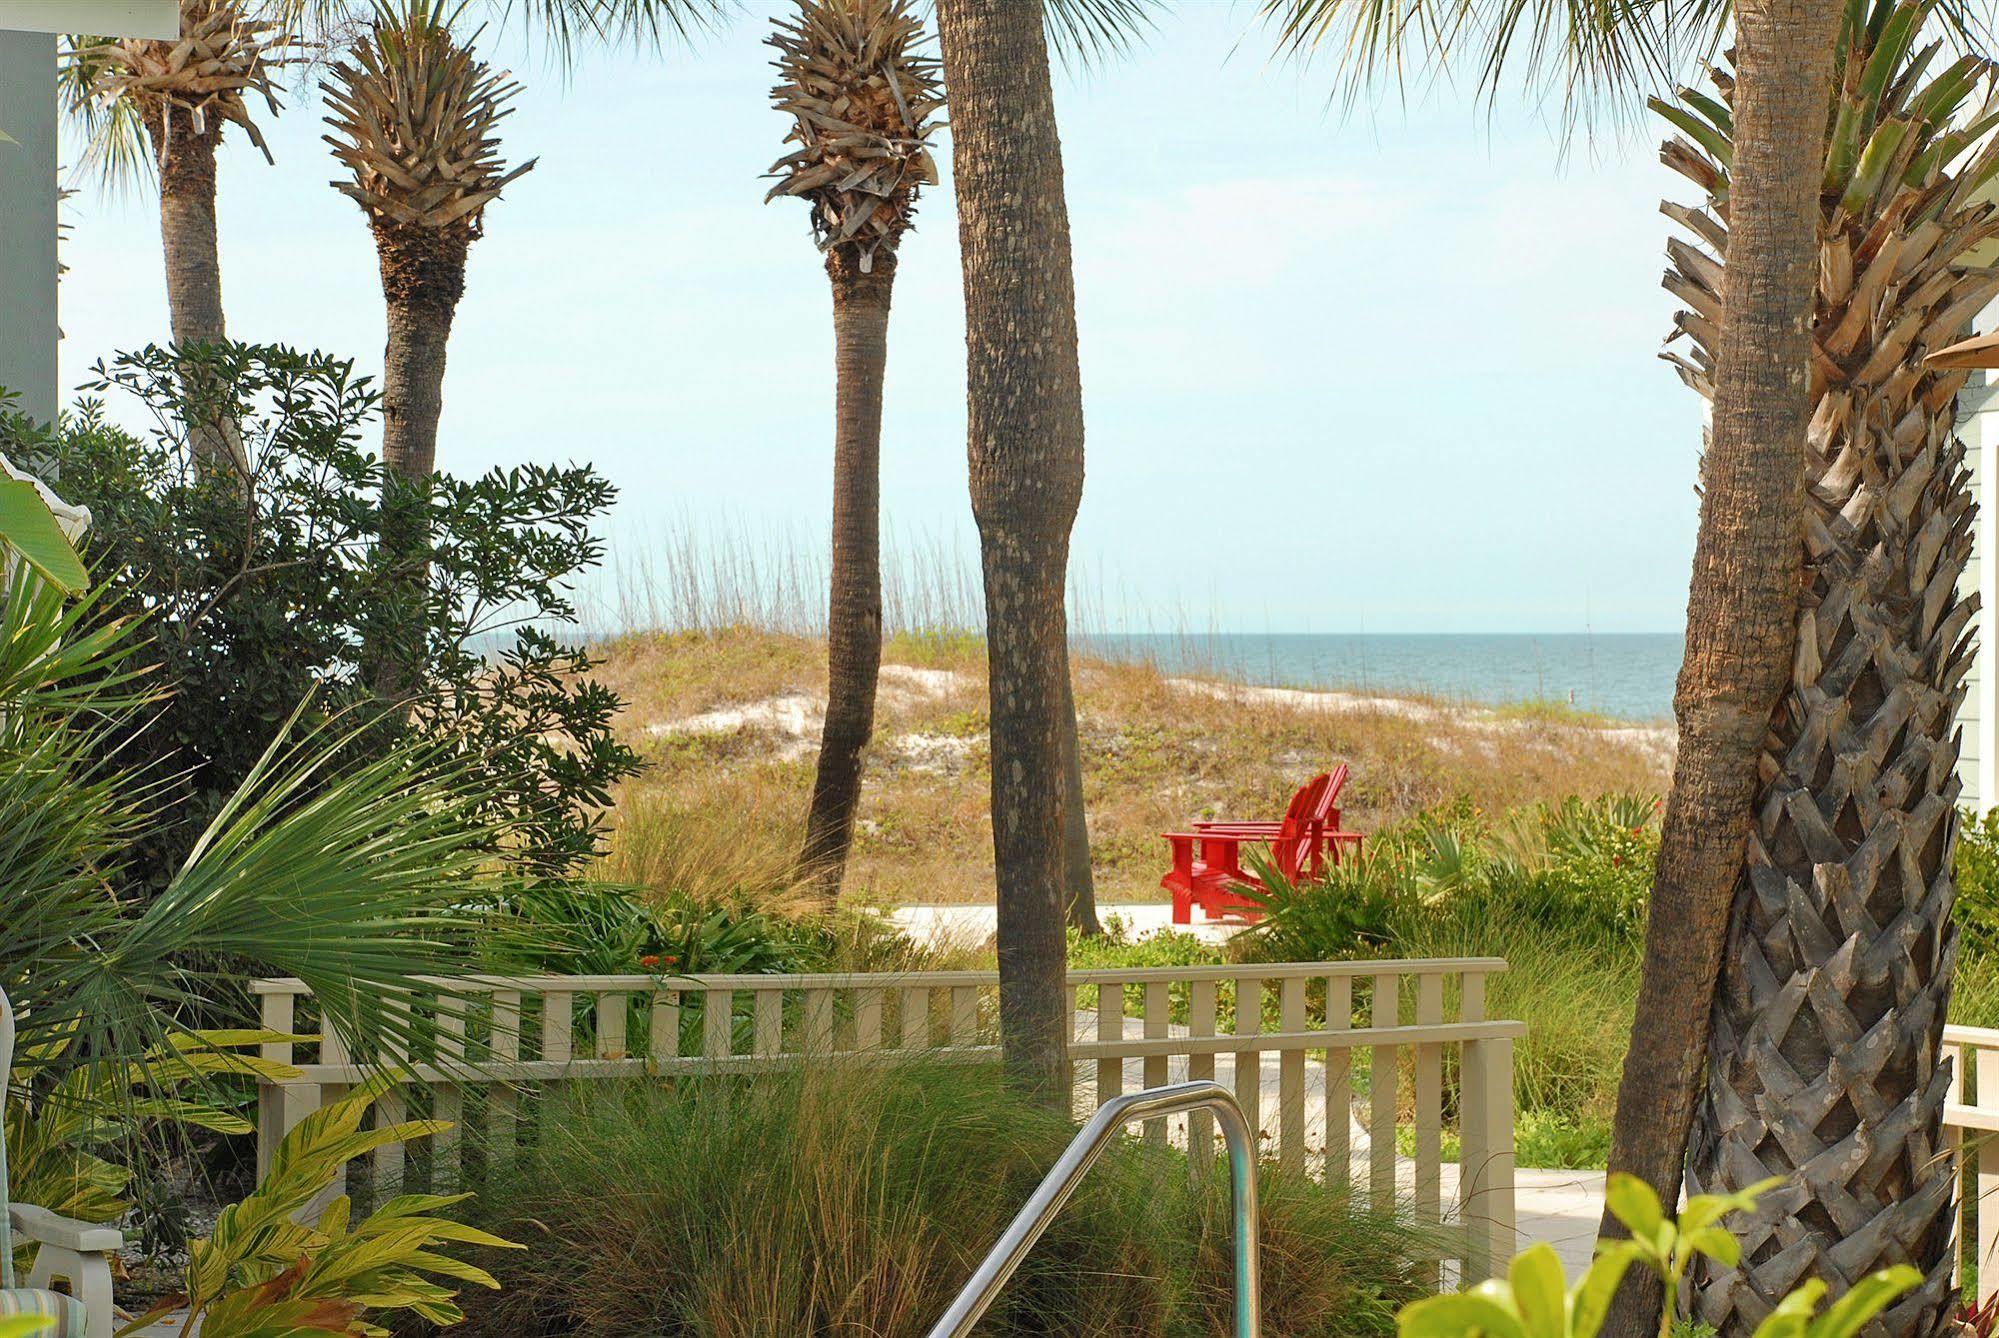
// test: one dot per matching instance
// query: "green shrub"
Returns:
(1977, 868)
(858, 1200)
(263, 594)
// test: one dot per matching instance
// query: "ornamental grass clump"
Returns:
(859, 1200)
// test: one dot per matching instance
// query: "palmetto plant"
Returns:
(178, 96)
(1824, 1057)
(348, 875)
(414, 116)
(862, 95)
(181, 94)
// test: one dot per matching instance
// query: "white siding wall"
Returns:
(1979, 408)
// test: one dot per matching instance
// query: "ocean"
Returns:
(1628, 676)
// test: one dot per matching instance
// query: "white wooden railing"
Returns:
(1971, 1133)
(482, 1048)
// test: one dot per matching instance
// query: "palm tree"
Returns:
(352, 874)
(182, 94)
(1823, 1054)
(1025, 429)
(1748, 556)
(861, 98)
(414, 113)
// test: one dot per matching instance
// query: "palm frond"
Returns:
(414, 114)
(1586, 49)
(1086, 31)
(861, 90)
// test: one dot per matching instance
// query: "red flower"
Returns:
(650, 960)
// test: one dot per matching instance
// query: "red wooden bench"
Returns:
(1207, 861)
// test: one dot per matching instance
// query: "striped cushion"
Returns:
(67, 1311)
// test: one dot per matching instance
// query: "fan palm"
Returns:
(861, 96)
(349, 876)
(182, 94)
(1823, 1060)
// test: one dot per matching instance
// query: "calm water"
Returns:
(1629, 676)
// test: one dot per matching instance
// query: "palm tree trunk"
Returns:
(186, 160)
(854, 616)
(1025, 440)
(1078, 876)
(1742, 601)
(423, 277)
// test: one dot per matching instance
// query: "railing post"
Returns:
(1485, 1171)
(1987, 1167)
(277, 1012)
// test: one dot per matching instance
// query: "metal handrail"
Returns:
(1075, 1162)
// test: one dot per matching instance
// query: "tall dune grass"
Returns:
(856, 1201)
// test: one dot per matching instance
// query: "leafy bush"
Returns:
(1534, 1301)
(268, 591)
(1977, 868)
(263, 1272)
(602, 929)
(841, 1202)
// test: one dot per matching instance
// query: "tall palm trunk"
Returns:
(423, 279)
(861, 93)
(1081, 881)
(414, 113)
(1025, 440)
(854, 615)
(186, 160)
(1742, 600)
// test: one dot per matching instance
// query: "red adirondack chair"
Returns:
(1207, 862)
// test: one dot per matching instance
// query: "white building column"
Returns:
(28, 220)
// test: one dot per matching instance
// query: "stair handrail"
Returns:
(1089, 1143)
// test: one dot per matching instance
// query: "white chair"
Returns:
(75, 1254)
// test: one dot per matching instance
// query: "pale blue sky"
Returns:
(1388, 371)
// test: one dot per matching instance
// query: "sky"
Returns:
(1389, 369)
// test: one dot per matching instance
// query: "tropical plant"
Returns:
(68, 1141)
(861, 94)
(1846, 889)
(181, 93)
(263, 1273)
(347, 871)
(414, 116)
(1534, 1302)
(1025, 439)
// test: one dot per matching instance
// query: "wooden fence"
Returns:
(1971, 1133)
(1302, 1045)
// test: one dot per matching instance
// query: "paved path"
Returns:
(973, 926)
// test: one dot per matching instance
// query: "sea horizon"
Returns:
(1623, 675)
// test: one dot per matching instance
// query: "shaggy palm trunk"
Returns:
(1742, 600)
(423, 278)
(854, 614)
(1824, 1056)
(1025, 444)
(1082, 914)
